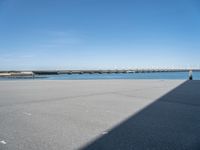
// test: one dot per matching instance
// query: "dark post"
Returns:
(190, 75)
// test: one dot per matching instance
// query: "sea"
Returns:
(110, 76)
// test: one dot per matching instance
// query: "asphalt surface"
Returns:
(99, 114)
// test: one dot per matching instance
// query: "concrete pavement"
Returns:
(99, 114)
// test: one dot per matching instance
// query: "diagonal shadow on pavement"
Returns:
(171, 122)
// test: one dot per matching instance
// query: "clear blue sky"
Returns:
(99, 34)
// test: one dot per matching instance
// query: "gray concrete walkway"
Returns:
(99, 114)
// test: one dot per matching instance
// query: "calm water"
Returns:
(159, 75)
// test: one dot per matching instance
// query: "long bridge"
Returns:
(57, 72)
(111, 71)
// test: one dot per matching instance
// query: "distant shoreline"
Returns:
(57, 72)
(102, 76)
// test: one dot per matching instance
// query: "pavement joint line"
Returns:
(65, 98)
(146, 98)
(56, 99)
(181, 103)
